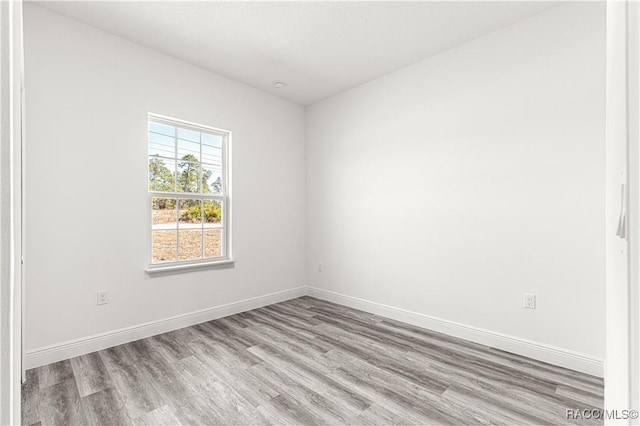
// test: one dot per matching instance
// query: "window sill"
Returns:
(159, 270)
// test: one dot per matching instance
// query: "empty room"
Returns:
(332, 212)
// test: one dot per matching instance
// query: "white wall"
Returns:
(453, 186)
(87, 96)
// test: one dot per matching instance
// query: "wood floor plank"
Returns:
(105, 408)
(300, 315)
(30, 398)
(579, 378)
(255, 391)
(358, 328)
(228, 405)
(300, 376)
(512, 396)
(581, 395)
(539, 370)
(305, 362)
(397, 327)
(420, 399)
(461, 359)
(366, 344)
(162, 416)
(556, 373)
(501, 405)
(287, 323)
(538, 401)
(230, 336)
(170, 346)
(233, 321)
(296, 348)
(378, 415)
(218, 335)
(284, 411)
(387, 398)
(496, 414)
(90, 374)
(301, 302)
(60, 404)
(321, 408)
(55, 373)
(266, 323)
(334, 309)
(137, 393)
(171, 385)
(404, 367)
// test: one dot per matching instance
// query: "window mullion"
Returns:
(223, 231)
(177, 230)
(201, 186)
(223, 160)
(175, 150)
(202, 216)
(175, 185)
(189, 195)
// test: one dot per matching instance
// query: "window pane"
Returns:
(163, 146)
(211, 179)
(190, 215)
(188, 179)
(164, 248)
(163, 211)
(189, 135)
(211, 149)
(212, 140)
(162, 174)
(161, 128)
(212, 213)
(213, 242)
(190, 244)
(189, 151)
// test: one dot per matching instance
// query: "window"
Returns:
(189, 194)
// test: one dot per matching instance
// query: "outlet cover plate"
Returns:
(529, 301)
(103, 297)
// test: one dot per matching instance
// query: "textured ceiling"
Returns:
(318, 48)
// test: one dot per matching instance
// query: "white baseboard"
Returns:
(58, 352)
(540, 351)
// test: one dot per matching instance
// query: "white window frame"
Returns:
(226, 259)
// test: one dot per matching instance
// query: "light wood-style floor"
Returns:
(304, 361)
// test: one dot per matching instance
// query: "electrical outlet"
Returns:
(529, 301)
(319, 267)
(103, 298)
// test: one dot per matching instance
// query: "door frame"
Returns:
(11, 123)
(622, 367)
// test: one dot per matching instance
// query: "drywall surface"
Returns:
(452, 187)
(88, 220)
